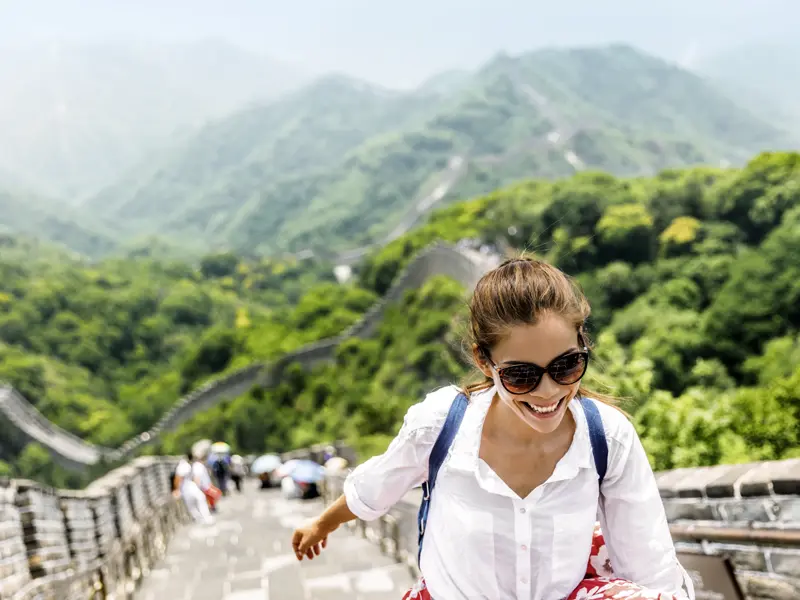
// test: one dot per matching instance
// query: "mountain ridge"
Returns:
(340, 163)
(510, 99)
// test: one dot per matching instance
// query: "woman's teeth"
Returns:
(543, 410)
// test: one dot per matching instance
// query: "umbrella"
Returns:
(265, 464)
(307, 471)
(220, 448)
(286, 468)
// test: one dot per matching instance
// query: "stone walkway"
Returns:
(246, 555)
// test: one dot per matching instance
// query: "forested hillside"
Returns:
(693, 277)
(103, 350)
(336, 164)
(23, 212)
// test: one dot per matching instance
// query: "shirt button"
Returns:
(522, 510)
(524, 580)
(524, 547)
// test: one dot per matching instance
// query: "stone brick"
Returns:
(747, 510)
(760, 481)
(786, 477)
(752, 559)
(668, 480)
(693, 485)
(788, 510)
(678, 509)
(723, 485)
(786, 562)
(760, 587)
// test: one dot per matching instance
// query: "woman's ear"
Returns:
(481, 362)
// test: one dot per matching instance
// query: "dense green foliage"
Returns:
(339, 163)
(693, 277)
(103, 350)
(361, 396)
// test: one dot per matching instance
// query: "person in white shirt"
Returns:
(186, 487)
(517, 469)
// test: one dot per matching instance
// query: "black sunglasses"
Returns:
(523, 378)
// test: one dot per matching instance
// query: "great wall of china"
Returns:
(102, 542)
(105, 537)
(464, 265)
(99, 543)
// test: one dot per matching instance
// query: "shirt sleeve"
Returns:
(635, 524)
(376, 485)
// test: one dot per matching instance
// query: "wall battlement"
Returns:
(95, 543)
(100, 542)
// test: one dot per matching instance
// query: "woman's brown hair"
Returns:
(519, 292)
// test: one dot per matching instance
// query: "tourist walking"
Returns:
(237, 471)
(203, 477)
(186, 486)
(517, 467)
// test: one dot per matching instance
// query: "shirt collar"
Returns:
(466, 448)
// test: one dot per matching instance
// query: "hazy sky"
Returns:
(399, 43)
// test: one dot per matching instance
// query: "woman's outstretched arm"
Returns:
(376, 485)
(309, 540)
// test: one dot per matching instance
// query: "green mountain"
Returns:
(25, 213)
(248, 172)
(339, 164)
(692, 277)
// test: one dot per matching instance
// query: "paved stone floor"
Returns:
(246, 555)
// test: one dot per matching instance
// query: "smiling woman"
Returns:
(523, 462)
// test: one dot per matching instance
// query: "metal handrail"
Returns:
(769, 537)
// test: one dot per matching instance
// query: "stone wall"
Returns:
(28, 424)
(759, 506)
(95, 543)
(749, 513)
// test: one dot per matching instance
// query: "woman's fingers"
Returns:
(297, 545)
(304, 546)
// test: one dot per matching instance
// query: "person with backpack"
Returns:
(517, 469)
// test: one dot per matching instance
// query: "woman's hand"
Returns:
(309, 540)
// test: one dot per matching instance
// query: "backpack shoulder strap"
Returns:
(439, 452)
(597, 437)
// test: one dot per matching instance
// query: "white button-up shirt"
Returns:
(483, 541)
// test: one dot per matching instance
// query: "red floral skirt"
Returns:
(599, 582)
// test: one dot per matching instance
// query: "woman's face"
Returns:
(543, 408)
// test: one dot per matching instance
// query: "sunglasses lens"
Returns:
(520, 380)
(568, 369)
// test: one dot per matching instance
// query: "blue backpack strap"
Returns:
(439, 452)
(597, 437)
